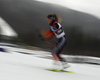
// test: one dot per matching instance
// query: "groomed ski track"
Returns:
(17, 66)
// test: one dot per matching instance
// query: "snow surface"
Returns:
(6, 29)
(87, 6)
(17, 66)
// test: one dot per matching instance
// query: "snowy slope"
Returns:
(5, 29)
(17, 66)
(87, 6)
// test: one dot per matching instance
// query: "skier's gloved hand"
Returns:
(47, 34)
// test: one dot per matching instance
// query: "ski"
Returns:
(55, 70)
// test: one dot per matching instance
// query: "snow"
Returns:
(6, 29)
(88, 6)
(17, 66)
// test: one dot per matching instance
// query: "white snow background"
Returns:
(17, 66)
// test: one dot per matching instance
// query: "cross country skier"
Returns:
(57, 29)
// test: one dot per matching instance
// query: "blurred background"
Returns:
(22, 20)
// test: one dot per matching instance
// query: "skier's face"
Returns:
(49, 20)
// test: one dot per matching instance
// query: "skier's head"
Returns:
(52, 17)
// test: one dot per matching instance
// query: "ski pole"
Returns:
(48, 41)
(52, 44)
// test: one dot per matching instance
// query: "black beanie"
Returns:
(51, 17)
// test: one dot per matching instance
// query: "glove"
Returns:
(47, 34)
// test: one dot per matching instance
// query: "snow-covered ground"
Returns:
(17, 66)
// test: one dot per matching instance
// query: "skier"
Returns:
(58, 31)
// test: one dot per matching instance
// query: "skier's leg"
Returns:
(56, 57)
(56, 53)
(61, 45)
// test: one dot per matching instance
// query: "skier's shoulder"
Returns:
(56, 25)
